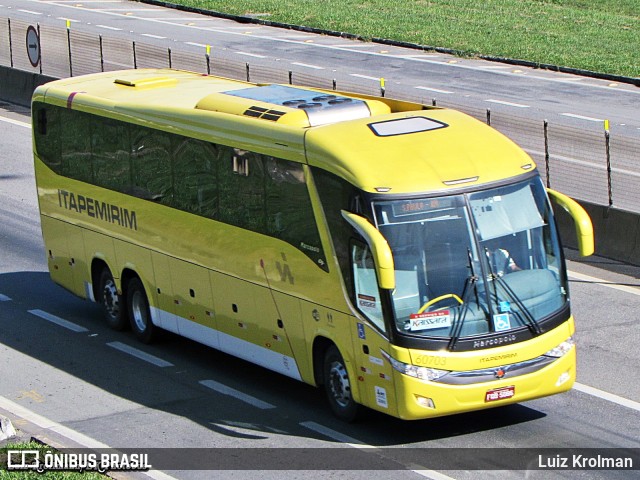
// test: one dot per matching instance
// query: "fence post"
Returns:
(546, 152)
(135, 60)
(248, 76)
(335, 85)
(169, 53)
(290, 77)
(489, 116)
(207, 56)
(101, 55)
(10, 43)
(433, 102)
(382, 89)
(607, 140)
(69, 48)
(39, 49)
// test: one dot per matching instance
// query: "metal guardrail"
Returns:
(597, 167)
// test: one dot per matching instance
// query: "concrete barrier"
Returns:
(17, 86)
(617, 233)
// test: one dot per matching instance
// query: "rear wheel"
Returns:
(112, 302)
(139, 313)
(338, 387)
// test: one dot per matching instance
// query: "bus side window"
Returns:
(75, 147)
(241, 189)
(110, 147)
(151, 163)
(367, 293)
(289, 211)
(47, 135)
(195, 179)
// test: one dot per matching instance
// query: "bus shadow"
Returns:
(298, 408)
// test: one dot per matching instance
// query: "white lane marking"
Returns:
(610, 397)
(509, 104)
(604, 283)
(377, 79)
(30, 12)
(159, 37)
(58, 321)
(356, 45)
(582, 117)
(77, 437)
(15, 122)
(196, 44)
(437, 90)
(68, 19)
(4, 298)
(128, 9)
(108, 27)
(415, 56)
(232, 392)
(306, 65)
(134, 352)
(355, 443)
(255, 55)
(341, 437)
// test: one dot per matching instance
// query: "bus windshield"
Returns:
(475, 263)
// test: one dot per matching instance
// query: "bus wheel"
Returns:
(337, 386)
(139, 313)
(112, 302)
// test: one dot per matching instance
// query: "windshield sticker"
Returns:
(366, 301)
(501, 322)
(429, 320)
(381, 397)
(504, 306)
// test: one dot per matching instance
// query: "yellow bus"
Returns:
(403, 257)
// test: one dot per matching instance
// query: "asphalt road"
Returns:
(61, 362)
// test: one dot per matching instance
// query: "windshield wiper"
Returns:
(469, 283)
(530, 321)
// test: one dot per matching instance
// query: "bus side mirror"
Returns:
(584, 228)
(380, 249)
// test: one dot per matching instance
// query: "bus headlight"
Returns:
(422, 373)
(561, 349)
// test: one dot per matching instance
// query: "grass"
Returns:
(597, 35)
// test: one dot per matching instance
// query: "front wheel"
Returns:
(112, 302)
(338, 387)
(139, 313)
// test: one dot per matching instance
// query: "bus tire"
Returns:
(338, 387)
(113, 307)
(139, 313)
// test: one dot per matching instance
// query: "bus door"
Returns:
(368, 333)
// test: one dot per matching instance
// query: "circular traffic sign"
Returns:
(33, 46)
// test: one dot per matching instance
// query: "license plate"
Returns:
(500, 394)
